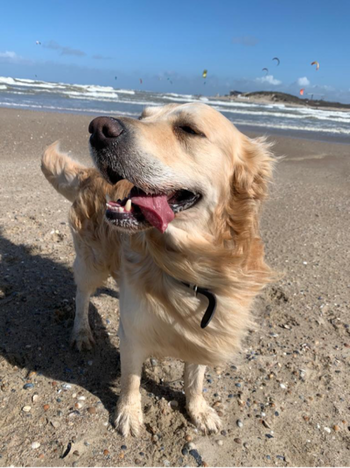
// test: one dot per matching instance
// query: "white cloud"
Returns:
(303, 81)
(9, 55)
(268, 79)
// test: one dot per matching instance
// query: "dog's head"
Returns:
(190, 167)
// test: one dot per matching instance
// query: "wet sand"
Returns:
(289, 386)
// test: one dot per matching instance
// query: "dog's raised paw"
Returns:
(203, 416)
(82, 339)
(128, 419)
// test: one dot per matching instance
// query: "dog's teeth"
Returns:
(108, 198)
(120, 209)
(128, 205)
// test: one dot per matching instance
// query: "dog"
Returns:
(172, 213)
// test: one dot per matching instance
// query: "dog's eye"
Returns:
(190, 130)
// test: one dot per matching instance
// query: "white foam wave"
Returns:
(94, 88)
(7, 80)
(25, 80)
(92, 94)
(185, 96)
(179, 99)
(3, 87)
(321, 113)
(119, 101)
(30, 83)
(72, 88)
(286, 115)
(125, 91)
(68, 109)
(281, 126)
(237, 104)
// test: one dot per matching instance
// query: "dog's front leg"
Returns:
(81, 334)
(201, 414)
(129, 411)
(88, 278)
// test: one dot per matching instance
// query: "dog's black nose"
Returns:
(103, 130)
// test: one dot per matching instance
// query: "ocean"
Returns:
(100, 100)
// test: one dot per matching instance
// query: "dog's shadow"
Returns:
(36, 316)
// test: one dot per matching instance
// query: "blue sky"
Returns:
(92, 42)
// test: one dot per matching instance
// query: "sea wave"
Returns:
(70, 88)
(67, 109)
(7, 80)
(125, 91)
(90, 98)
(92, 94)
(281, 126)
(29, 83)
(286, 115)
(186, 96)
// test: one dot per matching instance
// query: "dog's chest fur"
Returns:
(163, 316)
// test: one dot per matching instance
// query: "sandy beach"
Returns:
(284, 401)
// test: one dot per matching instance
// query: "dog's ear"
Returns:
(252, 169)
(237, 218)
(154, 110)
(150, 111)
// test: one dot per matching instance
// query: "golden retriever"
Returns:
(172, 213)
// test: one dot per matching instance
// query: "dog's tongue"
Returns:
(156, 209)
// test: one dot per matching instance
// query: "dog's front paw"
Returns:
(129, 418)
(203, 416)
(82, 339)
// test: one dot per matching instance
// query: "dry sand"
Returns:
(290, 384)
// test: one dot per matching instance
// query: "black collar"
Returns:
(209, 313)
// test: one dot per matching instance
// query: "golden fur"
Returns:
(223, 252)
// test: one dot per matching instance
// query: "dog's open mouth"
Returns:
(140, 210)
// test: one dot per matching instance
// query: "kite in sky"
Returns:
(204, 74)
(37, 42)
(317, 65)
(266, 69)
(277, 59)
(301, 92)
